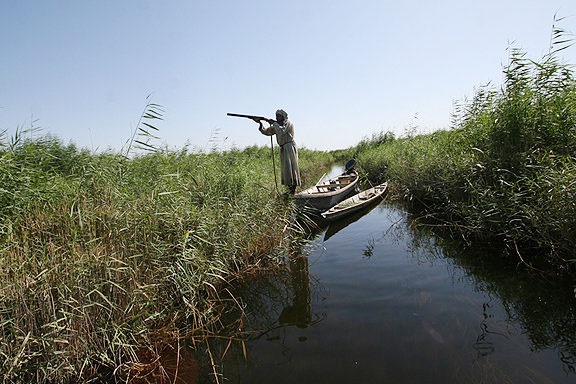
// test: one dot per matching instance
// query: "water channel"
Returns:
(373, 300)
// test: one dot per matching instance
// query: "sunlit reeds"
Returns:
(506, 170)
(107, 259)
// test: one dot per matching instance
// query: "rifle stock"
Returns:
(258, 118)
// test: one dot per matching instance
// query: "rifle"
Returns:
(255, 118)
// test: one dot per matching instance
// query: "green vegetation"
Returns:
(505, 172)
(106, 259)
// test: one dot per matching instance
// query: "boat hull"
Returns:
(356, 202)
(323, 196)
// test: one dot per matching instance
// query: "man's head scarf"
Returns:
(282, 112)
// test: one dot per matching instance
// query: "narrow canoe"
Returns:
(356, 202)
(326, 194)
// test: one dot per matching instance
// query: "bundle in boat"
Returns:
(328, 193)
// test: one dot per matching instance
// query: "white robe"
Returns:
(288, 151)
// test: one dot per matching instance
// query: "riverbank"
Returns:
(107, 260)
(505, 172)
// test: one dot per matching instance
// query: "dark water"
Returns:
(375, 301)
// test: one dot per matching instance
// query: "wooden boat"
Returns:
(335, 226)
(326, 194)
(356, 202)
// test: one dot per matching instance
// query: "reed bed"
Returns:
(506, 170)
(107, 260)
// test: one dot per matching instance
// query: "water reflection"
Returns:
(387, 302)
(540, 307)
(299, 312)
(282, 300)
(483, 345)
(336, 226)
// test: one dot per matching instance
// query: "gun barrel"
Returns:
(248, 116)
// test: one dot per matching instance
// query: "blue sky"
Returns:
(343, 70)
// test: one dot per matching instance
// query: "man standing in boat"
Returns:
(284, 131)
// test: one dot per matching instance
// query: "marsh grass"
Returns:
(506, 170)
(109, 259)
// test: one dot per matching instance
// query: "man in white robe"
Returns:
(284, 131)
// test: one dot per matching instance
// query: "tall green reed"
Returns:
(108, 257)
(505, 169)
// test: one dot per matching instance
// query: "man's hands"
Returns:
(259, 120)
